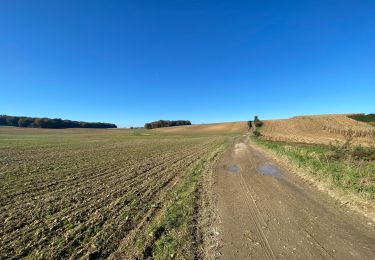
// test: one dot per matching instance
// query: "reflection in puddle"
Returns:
(268, 169)
(234, 168)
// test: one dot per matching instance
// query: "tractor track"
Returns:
(266, 212)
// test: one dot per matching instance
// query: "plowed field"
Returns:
(81, 193)
(205, 129)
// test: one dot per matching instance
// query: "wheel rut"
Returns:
(266, 212)
(258, 221)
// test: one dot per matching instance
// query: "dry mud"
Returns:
(265, 212)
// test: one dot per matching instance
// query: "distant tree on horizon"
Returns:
(56, 123)
(166, 123)
(257, 122)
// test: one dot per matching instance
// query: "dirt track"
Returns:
(267, 213)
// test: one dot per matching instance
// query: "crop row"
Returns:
(72, 200)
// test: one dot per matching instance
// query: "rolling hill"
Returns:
(318, 129)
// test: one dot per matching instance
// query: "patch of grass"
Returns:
(348, 168)
(256, 133)
(174, 234)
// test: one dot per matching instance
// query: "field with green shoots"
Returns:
(101, 193)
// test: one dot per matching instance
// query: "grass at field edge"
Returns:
(356, 176)
(173, 235)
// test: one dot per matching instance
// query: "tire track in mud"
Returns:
(287, 217)
(256, 159)
(257, 220)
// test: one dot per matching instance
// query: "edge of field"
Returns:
(345, 198)
(185, 227)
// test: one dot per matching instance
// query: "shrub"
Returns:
(363, 153)
(256, 133)
(257, 122)
(347, 151)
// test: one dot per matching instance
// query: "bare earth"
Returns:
(267, 213)
(218, 128)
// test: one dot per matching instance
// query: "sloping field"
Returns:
(85, 193)
(203, 129)
(318, 129)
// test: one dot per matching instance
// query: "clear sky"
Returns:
(129, 62)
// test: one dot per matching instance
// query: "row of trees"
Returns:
(166, 123)
(49, 123)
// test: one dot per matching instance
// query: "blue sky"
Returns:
(130, 62)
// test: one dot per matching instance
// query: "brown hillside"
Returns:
(219, 128)
(318, 129)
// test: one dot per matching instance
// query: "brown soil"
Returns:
(69, 196)
(265, 212)
(219, 128)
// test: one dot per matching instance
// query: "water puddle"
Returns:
(267, 169)
(233, 168)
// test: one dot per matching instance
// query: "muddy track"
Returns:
(266, 212)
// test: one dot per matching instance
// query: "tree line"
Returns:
(58, 123)
(369, 118)
(166, 123)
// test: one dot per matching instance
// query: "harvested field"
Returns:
(87, 193)
(203, 129)
(322, 129)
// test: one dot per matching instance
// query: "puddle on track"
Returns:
(233, 168)
(271, 170)
(267, 169)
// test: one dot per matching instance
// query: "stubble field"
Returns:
(319, 129)
(94, 193)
